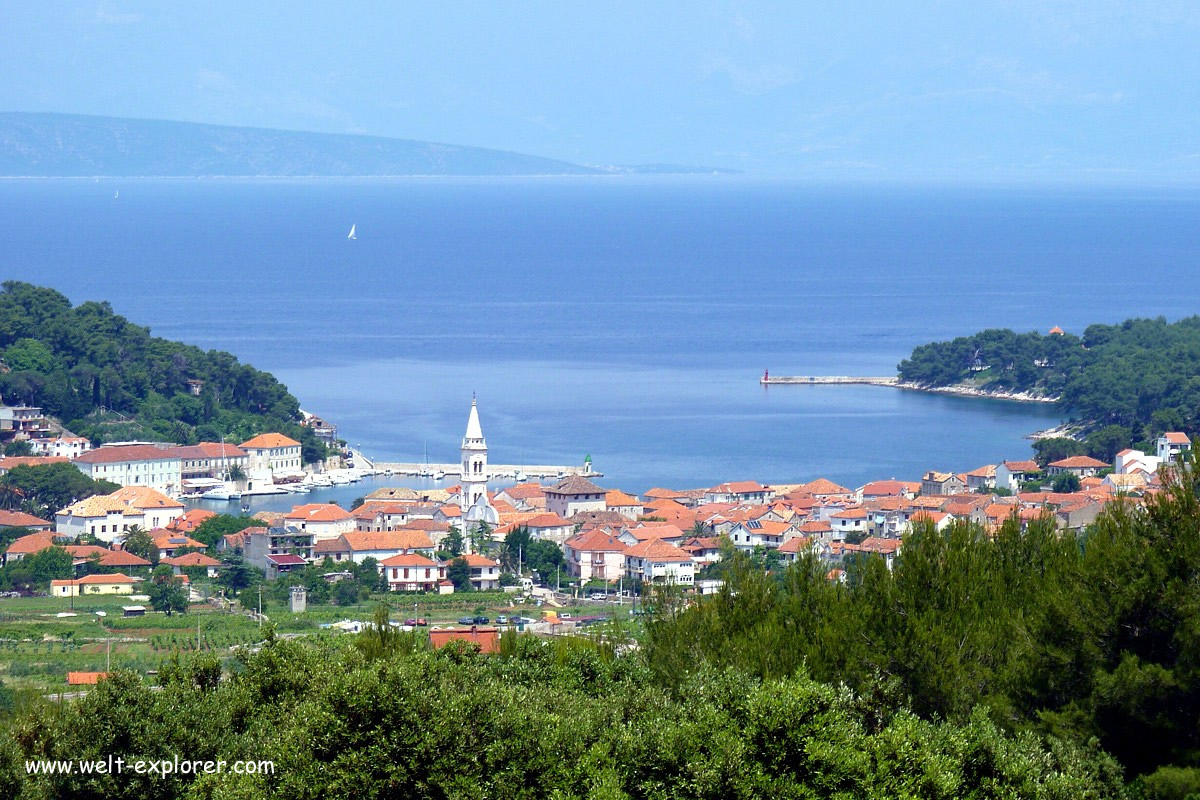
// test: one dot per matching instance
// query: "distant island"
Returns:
(69, 145)
(1126, 383)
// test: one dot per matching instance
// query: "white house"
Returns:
(1129, 461)
(139, 464)
(485, 573)
(357, 546)
(595, 555)
(273, 453)
(574, 494)
(1172, 445)
(412, 572)
(109, 517)
(855, 520)
(750, 492)
(758, 533)
(1011, 474)
(62, 447)
(322, 520)
(655, 561)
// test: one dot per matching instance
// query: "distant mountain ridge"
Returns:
(70, 145)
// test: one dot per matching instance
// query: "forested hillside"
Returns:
(1142, 375)
(109, 379)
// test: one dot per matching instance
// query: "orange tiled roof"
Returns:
(168, 540)
(1079, 462)
(117, 454)
(408, 560)
(32, 543)
(191, 560)
(795, 544)
(657, 550)
(595, 540)
(19, 519)
(143, 497)
(84, 678)
(269, 441)
(319, 512)
(615, 498)
(824, 486)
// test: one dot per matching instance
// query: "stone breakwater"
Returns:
(957, 389)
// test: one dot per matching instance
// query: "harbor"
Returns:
(514, 471)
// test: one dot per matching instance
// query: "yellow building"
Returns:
(94, 584)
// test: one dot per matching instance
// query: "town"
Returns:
(609, 540)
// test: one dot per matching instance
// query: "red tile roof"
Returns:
(319, 512)
(1079, 462)
(657, 550)
(84, 678)
(1175, 437)
(409, 560)
(117, 454)
(19, 519)
(488, 639)
(191, 560)
(595, 540)
(33, 543)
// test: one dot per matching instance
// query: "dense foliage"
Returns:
(1085, 636)
(109, 379)
(46, 489)
(565, 719)
(1142, 375)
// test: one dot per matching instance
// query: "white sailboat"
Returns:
(116, 194)
(351, 235)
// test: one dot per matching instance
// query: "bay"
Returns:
(626, 318)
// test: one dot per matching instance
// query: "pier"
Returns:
(815, 380)
(498, 471)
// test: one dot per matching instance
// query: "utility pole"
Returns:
(260, 605)
(197, 633)
(108, 656)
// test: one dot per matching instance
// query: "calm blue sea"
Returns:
(628, 318)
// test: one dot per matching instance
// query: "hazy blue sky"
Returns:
(974, 89)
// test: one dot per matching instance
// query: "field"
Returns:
(38, 648)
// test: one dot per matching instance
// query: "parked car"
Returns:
(501, 620)
(422, 621)
(481, 620)
(564, 615)
(410, 622)
(466, 620)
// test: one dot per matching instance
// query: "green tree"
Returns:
(453, 543)
(18, 447)
(459, 573)
(166, 591)
(53, 486)
(141, 543)
(1066, 482)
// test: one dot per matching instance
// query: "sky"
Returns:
(1060, 90)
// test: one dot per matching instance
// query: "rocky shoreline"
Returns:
(965, 390)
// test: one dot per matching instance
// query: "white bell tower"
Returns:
(476, 507)
(474, 460)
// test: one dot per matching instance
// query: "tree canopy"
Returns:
(1142, 376)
